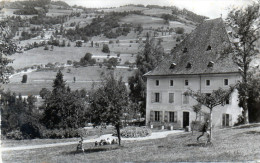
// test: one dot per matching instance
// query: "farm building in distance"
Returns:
(202, 62)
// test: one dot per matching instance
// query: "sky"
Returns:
(209, 8)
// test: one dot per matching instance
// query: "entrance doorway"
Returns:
(186, 119)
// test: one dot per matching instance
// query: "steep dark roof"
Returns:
(195, 51)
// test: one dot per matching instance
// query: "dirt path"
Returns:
(155, 135)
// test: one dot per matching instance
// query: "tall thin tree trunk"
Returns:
(245, 112)
(210, 122)
(118, 133)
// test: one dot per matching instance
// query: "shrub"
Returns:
(105, 48)
(134, 132)
(110, 42)
(179, 30)
(15, 134)
(240, 120)
(61, 133)
(30, 131)
(69, 62)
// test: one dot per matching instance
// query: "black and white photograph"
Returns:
(129, 81)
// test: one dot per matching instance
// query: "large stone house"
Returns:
(201, 62)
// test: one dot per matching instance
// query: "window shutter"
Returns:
(223, 119)
(160, 97)
(230, 120)
(171, 97)
(153, 97)
(166, 114)
(151, 116)
(175, 116)
(161, 116)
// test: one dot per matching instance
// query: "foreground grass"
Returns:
(228, 145)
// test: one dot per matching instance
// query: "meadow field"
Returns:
(38, 56)
(86, 78)
(230, 144)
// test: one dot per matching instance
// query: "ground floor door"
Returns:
(186, 119)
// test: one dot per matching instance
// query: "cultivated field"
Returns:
(154, 22)
(124, 8)
(238, 144)
(157, 11)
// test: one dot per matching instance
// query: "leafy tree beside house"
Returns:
(108, 102)
(217, 97)
(245, 24)
(150, 55)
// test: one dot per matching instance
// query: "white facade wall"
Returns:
(196, 83)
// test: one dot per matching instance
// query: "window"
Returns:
(188, 65)
(171, 97)
(185, 50)
(227, 102)
(171, 83)
(157, 116)
(226, 120)
(171, 114)
(172, 65)
(157, 82)
(157, 97)
(225, 81)
(210, 64)
(186, 82)
(185, 99)
(207, 82)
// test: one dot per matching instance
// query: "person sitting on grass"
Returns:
(204, 130)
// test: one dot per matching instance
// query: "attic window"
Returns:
(210, 64)
(185, 50)
(188, 65)
(208, 48)
(172, 65)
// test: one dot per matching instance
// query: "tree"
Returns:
(113, 62)
(7, 47)
(105, 48)
(245, 24)
(149, 56)
(78, 43)
(24, 79)
(217, 97)
(45, 93)
(64, 108)
(179, 30)
(196, 109)
(54, 105)
(109, 102)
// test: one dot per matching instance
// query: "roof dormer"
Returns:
(210, 64)
(208, 48)
(185, 50)
(188, 65)
(172, 65)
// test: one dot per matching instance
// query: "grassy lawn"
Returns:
(85, 77)
(228, 145)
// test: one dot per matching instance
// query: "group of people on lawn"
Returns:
(106, 142)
